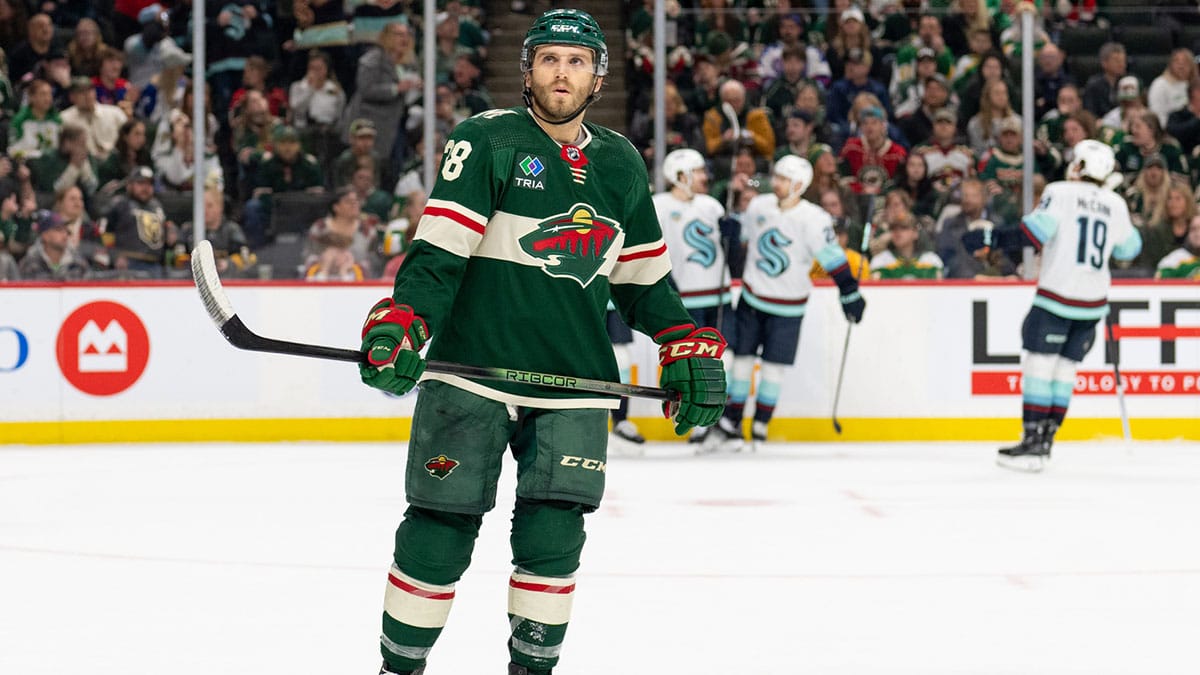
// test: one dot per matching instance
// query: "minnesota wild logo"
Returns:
(441, 466)
(572, 244)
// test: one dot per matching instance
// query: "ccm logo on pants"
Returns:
(583, 463)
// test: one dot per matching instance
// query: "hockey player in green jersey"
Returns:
(536, 219)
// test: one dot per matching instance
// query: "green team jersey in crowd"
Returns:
(521, 245)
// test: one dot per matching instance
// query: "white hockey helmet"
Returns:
(1092, 160)
(796, 169)
(682, 161)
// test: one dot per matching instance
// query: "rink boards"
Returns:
(121, 362)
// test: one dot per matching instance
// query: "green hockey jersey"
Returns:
(521, 245)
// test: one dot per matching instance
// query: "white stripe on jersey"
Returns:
(451, 226)
(781, 246)
(644, 264)
(1091, 221)
(693, 237)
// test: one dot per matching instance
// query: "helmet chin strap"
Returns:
(527, 96)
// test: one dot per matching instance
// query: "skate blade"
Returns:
(713, 445)
(1023, 463)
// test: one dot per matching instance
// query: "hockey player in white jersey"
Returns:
(698, 238)
(703, 244)
(784, 234)
(1078, 225)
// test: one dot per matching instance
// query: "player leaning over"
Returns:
(1077, 226)
(784, 233)
(700, 241)
(534, 222)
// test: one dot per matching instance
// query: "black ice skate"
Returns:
(758, 436)
(628, 431)
(1033, 452)
(724, 436)
(385, 670)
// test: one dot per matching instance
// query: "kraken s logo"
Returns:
(704, 251)
(772, 259)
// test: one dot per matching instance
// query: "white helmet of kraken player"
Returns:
(682, 161)
(797, 170)
(1091, 160)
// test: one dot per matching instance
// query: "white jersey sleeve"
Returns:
(1080, 226)
(693, 236)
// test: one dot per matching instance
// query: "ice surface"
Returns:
(803, 559)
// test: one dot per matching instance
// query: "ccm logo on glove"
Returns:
(689, 347)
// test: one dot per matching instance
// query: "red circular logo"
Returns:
(103, 348)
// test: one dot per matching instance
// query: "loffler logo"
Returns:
(102, 348)
(1147, 369)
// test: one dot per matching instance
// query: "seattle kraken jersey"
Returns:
(693, 238)
(1080, 226)
(521, 245)
(781, 247)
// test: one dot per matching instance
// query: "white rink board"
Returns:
(912, 357)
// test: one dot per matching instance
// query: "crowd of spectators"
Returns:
(314, 110)
(910, 114)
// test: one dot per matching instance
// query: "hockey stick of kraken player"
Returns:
(1112, 347)
(731, 116)
(204, 271)
(866, 242)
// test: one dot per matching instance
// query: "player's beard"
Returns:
(556, 108)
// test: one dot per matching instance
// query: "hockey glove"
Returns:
(691, 365)
(853, 306)
(731, 228)
(392, 336)
(852, 301)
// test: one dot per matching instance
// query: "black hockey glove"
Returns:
(852, 301)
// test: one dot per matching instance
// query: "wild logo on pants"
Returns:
(441, 466)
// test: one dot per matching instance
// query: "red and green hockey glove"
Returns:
(691, 365)
(392, 336)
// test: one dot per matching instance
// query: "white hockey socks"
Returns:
(414, 614)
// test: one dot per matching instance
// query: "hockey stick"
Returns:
(731, 117)
(1111, 345)
(837, 393)
(204, 270)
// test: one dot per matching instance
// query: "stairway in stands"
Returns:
(503, 70)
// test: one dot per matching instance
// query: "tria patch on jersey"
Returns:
(527, 172)
(441, 466)
(572, 244)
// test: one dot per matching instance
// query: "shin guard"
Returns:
(1037, 391)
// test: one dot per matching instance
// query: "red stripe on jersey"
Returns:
(643, 254)
(1037, 243)
(453, 215)
(777, 301)
(419, 592)
(541, 588)
(1071, 303)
